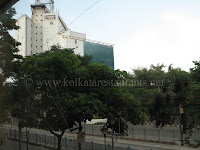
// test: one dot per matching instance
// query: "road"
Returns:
(147, 132)
(99, 140)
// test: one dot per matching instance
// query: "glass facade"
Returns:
(101, 53)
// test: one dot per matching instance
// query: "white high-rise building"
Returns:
(46, 28)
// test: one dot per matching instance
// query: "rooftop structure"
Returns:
(46, 28)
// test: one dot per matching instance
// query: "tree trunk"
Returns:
(59, 137)
(59, 142)
(80, 129)
(20, 136)
(27, 139)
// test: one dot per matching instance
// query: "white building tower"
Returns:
(44, 29)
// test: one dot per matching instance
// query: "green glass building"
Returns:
(101, 53)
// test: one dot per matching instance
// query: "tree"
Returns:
(151, 78)
(169, 100)
(146, 84)
(51, 107)
(60, 105)
(192, 114)
(8, 61)
(24, 106)
(71, 90)
(172, 95)
(192, 111)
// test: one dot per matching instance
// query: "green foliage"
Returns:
(192, 108)
(8, 61)
(178, 87)
(174, 93)
(147, 76)
(145, 84)
(8, 47)
(67, 90)
(24, 105)
(195, 72)
(162, 110)
(181, 80)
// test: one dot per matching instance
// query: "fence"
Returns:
(50, 141)
(147, 133)
(168, 134)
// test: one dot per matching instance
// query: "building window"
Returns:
(36, 33)
(75, 41)
(41, 46)
(41, 39)
(41, 20)
(76, 46)
(36, 40)
(36, 46)
(41, 33)
(36, 27)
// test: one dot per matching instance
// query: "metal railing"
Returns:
(168, 134)
(140, 132)
(46, 140)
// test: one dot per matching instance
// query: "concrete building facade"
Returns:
(46, 28)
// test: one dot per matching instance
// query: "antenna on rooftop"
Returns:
(51, 3)
(48, 3)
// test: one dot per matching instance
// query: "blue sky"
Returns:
(144, 32)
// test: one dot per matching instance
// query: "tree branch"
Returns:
(74, 129)
(52, 132)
